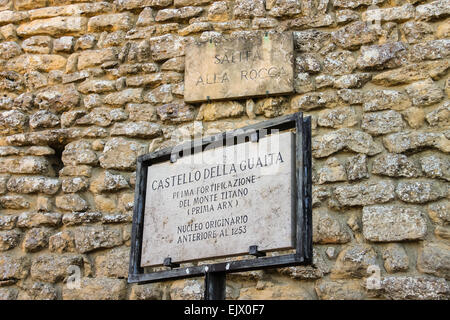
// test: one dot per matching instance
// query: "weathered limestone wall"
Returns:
(87, 86)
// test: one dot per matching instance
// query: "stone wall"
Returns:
(88, 86)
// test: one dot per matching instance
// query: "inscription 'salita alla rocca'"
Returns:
(219, 202)
(252, 65)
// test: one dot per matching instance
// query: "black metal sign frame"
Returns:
(302, 194)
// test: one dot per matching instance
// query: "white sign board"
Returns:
(218, 202)
(256, 64)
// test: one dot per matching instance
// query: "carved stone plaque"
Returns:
(256, 64)
(221, 201)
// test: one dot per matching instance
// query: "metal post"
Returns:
(215, 284)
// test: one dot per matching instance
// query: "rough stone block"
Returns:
(328, 229)
(108, 182)
(415, 140)
(420, 191)
(14, 267)
(52, 268)
(12, 121)
(9, 49)
(393, 223)
(54, 26)
(434, 259)
(120, 154)
(33, 184)
(92, 58)
(340, 290)
(38, 219)
(424, 93)
(415, 288)
(439, 212)
(110, 22)
(71, 202)
(114, 263)
(140, 129)
(36, 239)
(95, 237)
(166, 46)
(395, 258)
(97, 289)
(9, 240)
(412, 72)
(383, 122)
(364, 193)
(353, 261)
(347, 139)
(395, 165)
